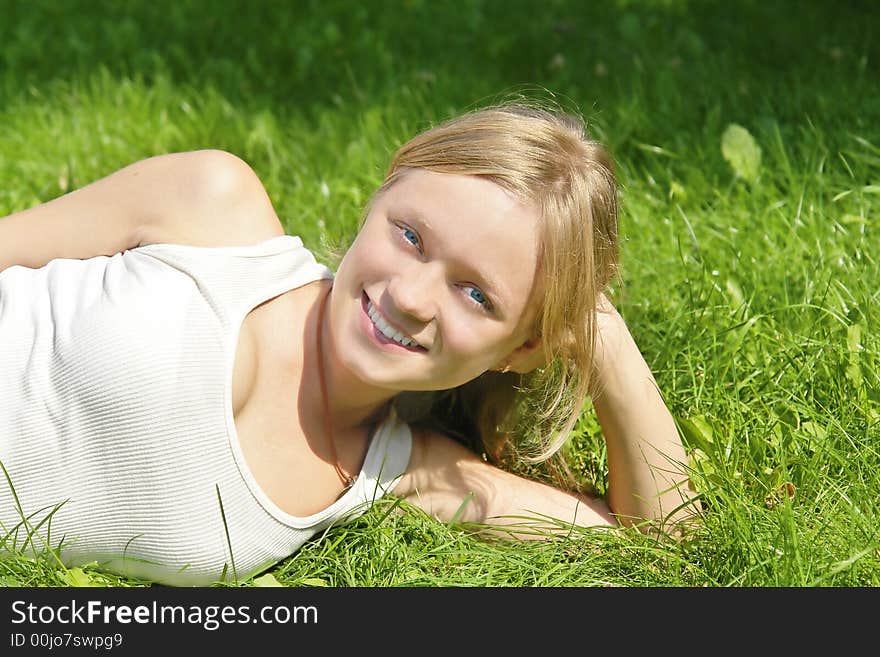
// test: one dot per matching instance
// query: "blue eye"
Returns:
(478, 296)
(410, 236)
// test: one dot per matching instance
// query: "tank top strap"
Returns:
(235, 279)
(386, 461)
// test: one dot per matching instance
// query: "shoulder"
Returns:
(214, 198)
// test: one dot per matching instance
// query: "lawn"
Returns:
(747, 140)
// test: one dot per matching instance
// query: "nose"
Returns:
(415, 290)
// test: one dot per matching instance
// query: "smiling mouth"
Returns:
(385, 330)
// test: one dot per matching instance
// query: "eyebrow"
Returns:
(497, 292)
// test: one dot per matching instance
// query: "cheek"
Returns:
(354, 268)
(366, 257)
(480, 344)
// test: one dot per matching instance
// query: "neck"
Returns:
(351, 402)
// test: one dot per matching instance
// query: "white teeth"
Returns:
(386, 329)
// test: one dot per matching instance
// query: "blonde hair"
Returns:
(542, 157)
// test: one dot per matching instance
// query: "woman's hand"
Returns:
(647, 465)
(451, 483)
(646, 461)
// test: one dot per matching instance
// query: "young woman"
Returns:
(187, 395)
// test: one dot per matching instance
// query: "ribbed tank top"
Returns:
(116, 424)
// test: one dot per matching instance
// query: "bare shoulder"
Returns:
(212, 198)
(200, 198)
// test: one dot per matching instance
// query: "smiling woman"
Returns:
(422, 265)
(265, 398)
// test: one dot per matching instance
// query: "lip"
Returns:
(377, 337)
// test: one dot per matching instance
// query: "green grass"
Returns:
(753, 300)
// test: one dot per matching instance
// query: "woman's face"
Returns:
(437, 287)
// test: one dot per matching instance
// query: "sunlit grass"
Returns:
(754, 300)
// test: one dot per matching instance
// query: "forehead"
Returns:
(474, 222)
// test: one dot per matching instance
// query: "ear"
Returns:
(525, 358)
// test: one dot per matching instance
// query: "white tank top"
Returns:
(116, 423)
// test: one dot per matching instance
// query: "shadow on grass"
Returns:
(307, 55)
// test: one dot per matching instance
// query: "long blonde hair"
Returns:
(542, 157)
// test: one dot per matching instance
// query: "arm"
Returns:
(647, 477)
(450, 482)
(206, 197)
